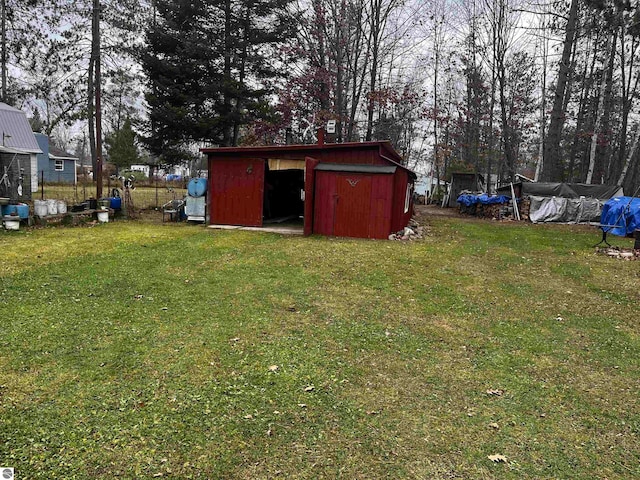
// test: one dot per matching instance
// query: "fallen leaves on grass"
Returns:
(494, 425)
(273, 368)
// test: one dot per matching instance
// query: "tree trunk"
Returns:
(506, 128)
(242, 74)
(90, 105)
(599, 112)
(3, 53)
(630, 155)
(552, 169)
(607, 150)
(543, 106)
(374, 38)
(227, 128)
(629, 88)
(97, 87)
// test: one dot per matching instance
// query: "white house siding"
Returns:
(34, 172)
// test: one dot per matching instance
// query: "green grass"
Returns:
(132, 349)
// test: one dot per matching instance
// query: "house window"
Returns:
(59, 165)
(407, 199)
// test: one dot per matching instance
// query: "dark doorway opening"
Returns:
(283, 190)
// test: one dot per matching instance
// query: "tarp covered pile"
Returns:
(469, 199)
(624, 212)
(567, 202)
(570, 190)
(566, 210)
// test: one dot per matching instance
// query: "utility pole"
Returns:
(96, 42)
(3, 54)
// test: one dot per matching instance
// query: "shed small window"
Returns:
(59, 165)
(407, 199)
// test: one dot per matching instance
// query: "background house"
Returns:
(18, 155)
(54, 164)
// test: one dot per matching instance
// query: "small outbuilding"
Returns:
(342, 189)
(461, 182)
(18, 155)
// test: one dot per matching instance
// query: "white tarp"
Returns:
(564, 210)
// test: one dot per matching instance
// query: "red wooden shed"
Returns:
(342, 189)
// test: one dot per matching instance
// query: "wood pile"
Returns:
(525, 208)
(494, 210)
(498, 211)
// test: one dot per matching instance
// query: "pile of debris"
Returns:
(413, 232)
(620, 253)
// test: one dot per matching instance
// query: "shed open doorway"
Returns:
(283, 192)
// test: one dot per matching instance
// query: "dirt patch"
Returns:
(423, 212)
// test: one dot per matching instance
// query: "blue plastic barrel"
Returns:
(197, 187)
(116, 203)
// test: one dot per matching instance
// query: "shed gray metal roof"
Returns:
(344, 167)
(15, 130)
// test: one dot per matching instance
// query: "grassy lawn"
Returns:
(135, 350)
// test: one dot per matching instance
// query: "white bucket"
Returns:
(62, 206)
(40, 207)
(11, 223)
(103, 216)
(52, 207)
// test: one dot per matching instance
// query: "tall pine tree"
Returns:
(121, 146)
(210, 65)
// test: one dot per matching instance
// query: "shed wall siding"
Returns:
(236, 189)
(400, 217)
(14, 163)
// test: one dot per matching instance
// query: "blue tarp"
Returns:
(469, 199)
(623, 212)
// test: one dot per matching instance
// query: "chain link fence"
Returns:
(145, 195)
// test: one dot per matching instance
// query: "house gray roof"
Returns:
(56, 153)
(15, 131)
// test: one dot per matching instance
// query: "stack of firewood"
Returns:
(490, 211)
(525, 207)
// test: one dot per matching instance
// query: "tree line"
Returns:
(547, 89)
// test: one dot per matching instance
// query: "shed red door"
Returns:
(236, 192)
(353, 204)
